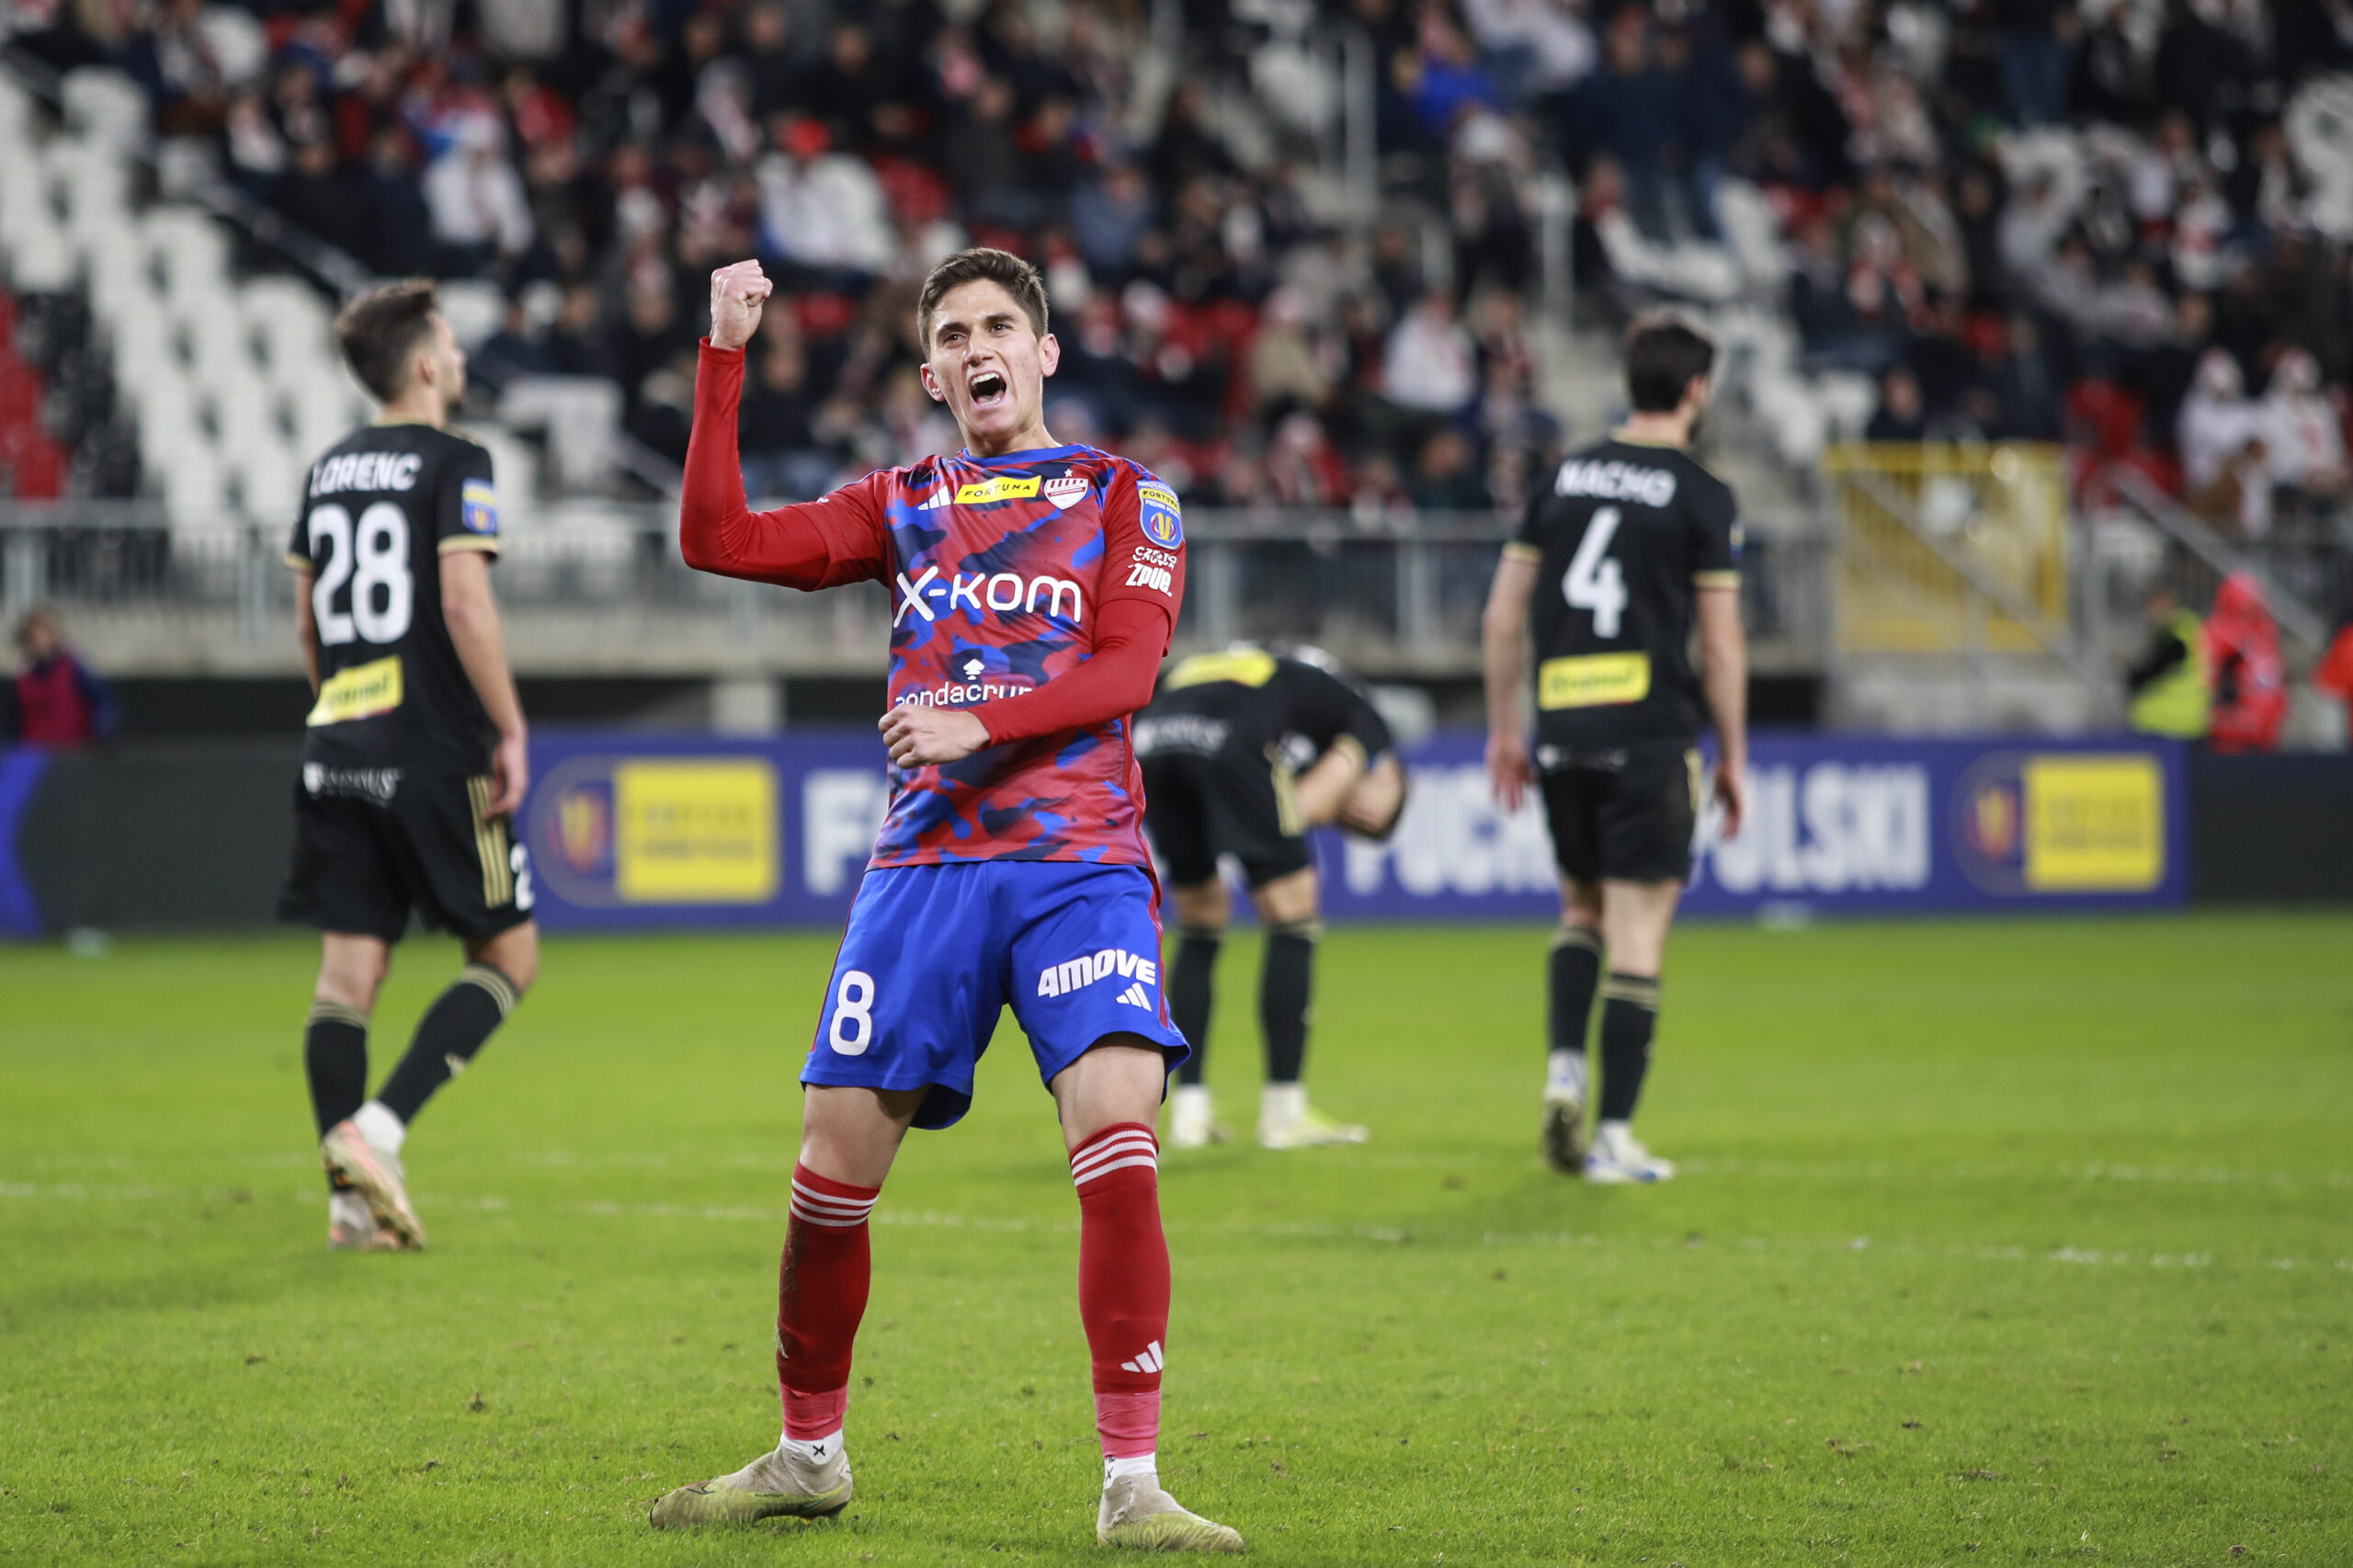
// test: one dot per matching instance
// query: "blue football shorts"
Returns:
(933, 953)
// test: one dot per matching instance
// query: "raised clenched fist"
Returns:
(736, 293)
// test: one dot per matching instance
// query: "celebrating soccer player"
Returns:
(416, 755)
(1244, 751)
(1613, 559)
(1036, 588)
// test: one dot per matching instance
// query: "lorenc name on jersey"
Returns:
(1616, 482)
(981, 591)
(1077, 974)
(367, 471)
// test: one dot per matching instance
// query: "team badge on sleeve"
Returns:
(1162, 523)
(478, 506)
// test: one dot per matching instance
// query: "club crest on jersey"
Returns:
(1162, 523)
(1067, 491)
(980, 492)
(477, 507)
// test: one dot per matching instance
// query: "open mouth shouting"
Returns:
(988, 389)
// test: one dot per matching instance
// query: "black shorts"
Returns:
(1625, 815)
(1199, 806)
(371, 844)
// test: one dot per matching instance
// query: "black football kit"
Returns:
(1221, 747)
(1624, 538)
(391, 812)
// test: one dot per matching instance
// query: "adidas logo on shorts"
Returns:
(1149, 1359)
(1134, 996)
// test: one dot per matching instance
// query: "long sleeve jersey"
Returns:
(1036, 589)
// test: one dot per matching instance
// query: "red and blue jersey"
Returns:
(999, 571)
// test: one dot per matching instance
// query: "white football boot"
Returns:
(1137, 1514)
(1287, 1122)
(1619, 1158)
(1565, 1140)
(376, 1175)
(788, 1479)
(1192, 1122)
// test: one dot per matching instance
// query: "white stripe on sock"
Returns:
(1115, 1153)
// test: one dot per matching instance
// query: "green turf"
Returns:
(1995, 1243)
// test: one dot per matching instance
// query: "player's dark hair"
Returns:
(980, 265)
(1663, 353)
(379, 331)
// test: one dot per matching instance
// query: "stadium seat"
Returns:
(191, 486)
(580, 415)
(40, 262)
(106, 106)
(473, 309)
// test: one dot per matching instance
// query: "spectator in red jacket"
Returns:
(2243, 650)
(58, 701)
(2334, 674)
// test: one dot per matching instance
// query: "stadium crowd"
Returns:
(2155, 286)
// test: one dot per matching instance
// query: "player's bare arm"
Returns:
(473, 617)
(1723, 677)
(306, 627)
(1503, 647)
(1324, 789)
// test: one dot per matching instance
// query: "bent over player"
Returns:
(416, 755)
(1036, 588)
(1613, 560)
(1244, 751)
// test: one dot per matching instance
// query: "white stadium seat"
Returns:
(188, 479)
(473, 309)
(107, 105)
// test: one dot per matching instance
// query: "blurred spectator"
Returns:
(57, 702)
(2303, 432)
(821, 209)
(1901, 415)
(2242, 653)
(1623, 110)
(2224, 457)
(2168, 685)
(2333, 676)
(480, 212)
(1431, 363)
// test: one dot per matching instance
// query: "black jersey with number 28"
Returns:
(384, 505)
(1623, 536)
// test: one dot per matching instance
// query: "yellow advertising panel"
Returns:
(2094, 823)
(695, 831)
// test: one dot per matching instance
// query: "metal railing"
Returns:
(600, 588)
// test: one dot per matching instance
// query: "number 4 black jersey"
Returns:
(384, 504)
(1623, 537)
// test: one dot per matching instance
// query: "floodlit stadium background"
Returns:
(2020, 318)
(2000, 1233)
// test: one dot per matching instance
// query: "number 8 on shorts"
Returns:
(853, 1026)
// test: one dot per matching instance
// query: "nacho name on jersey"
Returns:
(1615, 481)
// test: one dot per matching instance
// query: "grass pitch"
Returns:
(1995, 1244)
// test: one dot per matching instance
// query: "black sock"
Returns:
(1575, 973)
(1629, 1017)
(452, 1029)
(1190, 995)
(1285, 987)
(334, 1059)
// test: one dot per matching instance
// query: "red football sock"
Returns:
(1122, 1282)
(820, 1294)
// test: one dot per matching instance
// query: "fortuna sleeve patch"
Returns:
(1157, 511)
(478, 507)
